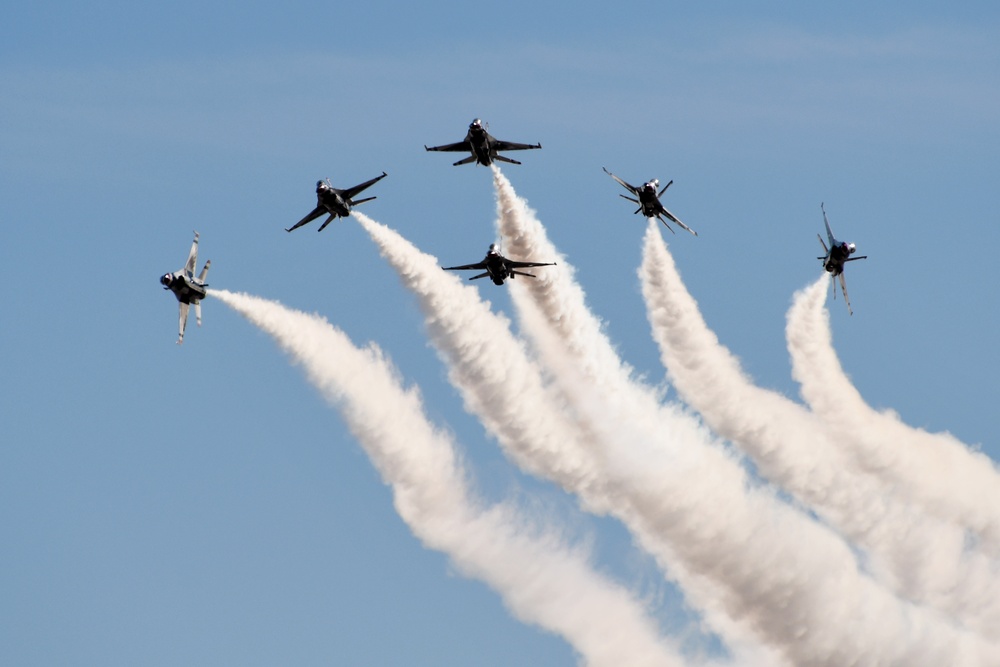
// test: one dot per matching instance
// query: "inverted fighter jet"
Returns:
(188, 289)
(498, 267)
(483, 146)
(838, 254)
(649, 201)
(336, 202)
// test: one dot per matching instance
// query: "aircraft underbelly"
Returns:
(187, 293)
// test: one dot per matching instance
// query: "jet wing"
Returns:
(512, 146)
(625, 185)
(350, 192)
(843, 287)
(524, 265)
(477, 265)
(315, 213)
(182, 321)
(461, 146)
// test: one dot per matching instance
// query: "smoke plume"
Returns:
(794, 583)
(542, 580)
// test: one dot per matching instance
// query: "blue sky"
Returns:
(202, 504)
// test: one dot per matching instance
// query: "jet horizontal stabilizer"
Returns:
(666, 224)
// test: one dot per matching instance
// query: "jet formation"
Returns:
(484, 149)
(188, 289)
(838, 254)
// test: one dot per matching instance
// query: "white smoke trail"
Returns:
(793, 582)
(935, 470)
(918, 556)
(592, 377)
(541, 579)
(499, 383)
(558, 302)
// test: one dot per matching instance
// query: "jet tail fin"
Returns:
(197, 311)
(362, 201)
(204, 272)
(522, 273)
(508, 160)
(192, 256)
(471, 158)
(826, 223)
(481, 275)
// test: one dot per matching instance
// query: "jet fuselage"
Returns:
(184, 287)
(497, 267)
(330, 199)
(479, 140)
(649, 199)
(839, 253)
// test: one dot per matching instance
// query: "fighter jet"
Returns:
(836, 256)
(483, 146)
(334, 201)
(649, 201)
(188, 289)
(498, 267)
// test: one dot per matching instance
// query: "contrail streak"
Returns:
(498, 382)
(801, 592)
(557, 300)
(918, 556)
(591, 376)
(935, 470)
(542, 580)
